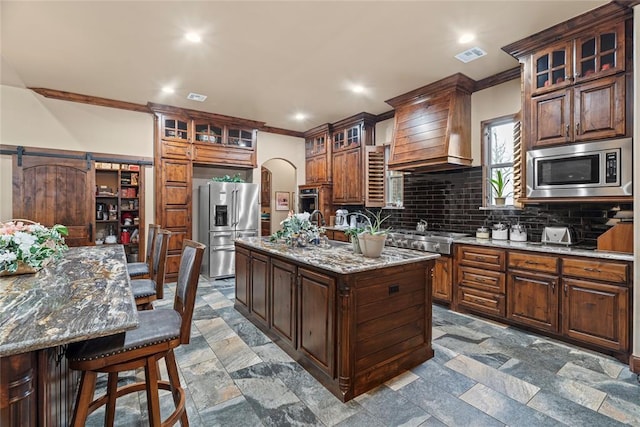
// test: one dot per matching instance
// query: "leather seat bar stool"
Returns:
(145, 291)
(140, 270)
(159, 332)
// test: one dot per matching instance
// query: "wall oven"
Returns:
(591, 169)
(307, 199)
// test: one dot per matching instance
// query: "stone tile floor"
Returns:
(483, 374)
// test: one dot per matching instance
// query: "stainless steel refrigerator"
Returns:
(227, 210)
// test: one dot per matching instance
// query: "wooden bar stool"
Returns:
(159, 332)
(140, 270)
(145, 291)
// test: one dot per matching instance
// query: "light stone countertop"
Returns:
(549, 249)
(339, 256)
(86, 294)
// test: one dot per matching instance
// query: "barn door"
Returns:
(56, 191)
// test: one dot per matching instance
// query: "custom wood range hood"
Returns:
(432, 129)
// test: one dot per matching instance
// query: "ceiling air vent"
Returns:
(196, 97)
(471, 54)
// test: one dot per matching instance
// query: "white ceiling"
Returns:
(262, 60)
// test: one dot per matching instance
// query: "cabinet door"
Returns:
(552, 67)
(259, 294)
(533, 300)
(242, 277)
(175, 128)
(316, 311)
(596, 313)
(600, 53)
(354, 177)
(442, 279)
(283, 300)
(551, 118)
(599, 108)
(339, 177)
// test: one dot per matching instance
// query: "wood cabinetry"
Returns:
(443, 279)
(480, 279)
(119, 206)
(184, 138)
(350, 137)
(432, 128)
(351, 331)
(337, 235)
(575, 79)
(318, 158)
(558, 295)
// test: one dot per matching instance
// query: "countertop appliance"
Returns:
(228, 210)
(428, 241)
(557, 236)
(591, 169)
(341, 218)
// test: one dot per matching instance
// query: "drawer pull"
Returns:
(394, 289)
(593, 270)
(532, 262)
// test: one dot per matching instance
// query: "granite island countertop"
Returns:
(85, 294)
(545, 248)
(339, 256)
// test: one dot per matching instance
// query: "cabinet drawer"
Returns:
(478, 300)
(476, 256)
(594, 269)
(390, 294)
(534, 262)
(490, 281)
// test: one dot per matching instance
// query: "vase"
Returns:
(500, 201)
(372, 245)
(23, 268)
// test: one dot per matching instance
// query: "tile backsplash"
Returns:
(450, 200)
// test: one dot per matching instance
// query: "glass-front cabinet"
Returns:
(600, 53)
(552, 67)
(175, 129)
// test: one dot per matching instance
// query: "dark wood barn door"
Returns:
(56, 191)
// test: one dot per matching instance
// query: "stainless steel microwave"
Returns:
(590, 169)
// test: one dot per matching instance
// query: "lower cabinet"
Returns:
(316, 314)
(442, 279)
(259, 294)
(284, 291)
(243, 276)
(585, 300)
(480, 279)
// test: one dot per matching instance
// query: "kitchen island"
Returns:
(84, 295)
(352, 322)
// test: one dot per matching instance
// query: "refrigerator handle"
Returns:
(237, 208)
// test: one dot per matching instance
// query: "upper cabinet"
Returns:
(349, 140)
(575, 79)
(317, 149)
(432, 129)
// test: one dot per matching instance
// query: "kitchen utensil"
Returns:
(557, 236)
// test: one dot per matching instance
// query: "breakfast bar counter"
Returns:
(85, 294)
(352, 322)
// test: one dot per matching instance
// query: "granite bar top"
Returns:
(549, 249)
(85, 294)
(339, 256)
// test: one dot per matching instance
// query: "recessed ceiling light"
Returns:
(193, 37)
(466, 38)
(357, 89)
(300, 117)
(168, 89)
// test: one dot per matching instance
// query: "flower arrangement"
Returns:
(296, 226)
(29, 244)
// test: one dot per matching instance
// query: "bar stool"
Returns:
(159, 332)
(139, 270)
(145, 291)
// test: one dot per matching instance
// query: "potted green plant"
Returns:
(352, 234)
(499, 184)
(373, 238)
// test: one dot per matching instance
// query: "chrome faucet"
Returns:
(320, 223)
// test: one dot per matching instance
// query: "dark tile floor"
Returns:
(483, 374)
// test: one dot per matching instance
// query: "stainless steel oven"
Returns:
(591, 169)
(307, 199)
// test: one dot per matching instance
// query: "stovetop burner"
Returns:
(428, 241)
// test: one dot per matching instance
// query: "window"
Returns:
(395, 183)
(498, 149)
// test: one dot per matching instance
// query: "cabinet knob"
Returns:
(567, 131)
(578, 128)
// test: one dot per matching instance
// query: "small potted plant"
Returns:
(499, 185)
(352, 234)
(373, 238)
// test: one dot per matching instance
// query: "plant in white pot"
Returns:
(373, 238)
(499, 185)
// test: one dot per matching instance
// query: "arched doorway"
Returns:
(282, 181)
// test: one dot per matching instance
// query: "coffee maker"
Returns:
(341, 218)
